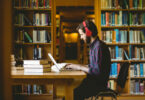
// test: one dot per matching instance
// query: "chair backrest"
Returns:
(122, 77)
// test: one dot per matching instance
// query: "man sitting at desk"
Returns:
(100, 62)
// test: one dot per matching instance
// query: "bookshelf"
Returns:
(33, 30)
(121, 26)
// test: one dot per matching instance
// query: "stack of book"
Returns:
(36, 66)
(14, 68)
(13, 62)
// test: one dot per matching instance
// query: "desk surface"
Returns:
(64, 75)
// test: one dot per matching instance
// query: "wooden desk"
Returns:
(68, 79)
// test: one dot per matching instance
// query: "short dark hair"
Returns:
(90, 25)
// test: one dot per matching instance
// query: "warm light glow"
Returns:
(71, 38)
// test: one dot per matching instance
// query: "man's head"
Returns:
(87, 29)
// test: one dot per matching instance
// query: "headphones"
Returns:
(88, 32)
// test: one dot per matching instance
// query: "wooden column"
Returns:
(5, 49)
(97, 10)
(54, 28)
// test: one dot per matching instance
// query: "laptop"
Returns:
(57, 67)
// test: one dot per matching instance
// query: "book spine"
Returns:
(132, 86)
(132, 71)
(107, 18)
(117, 35)
(116, 52)
(130, 51)
(39, 53)
(35, 53)
(135, 70)
(138, 70)
(141, 70)
(28, 37)
(141, 88)
(144, 69)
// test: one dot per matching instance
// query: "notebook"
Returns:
(57, 67)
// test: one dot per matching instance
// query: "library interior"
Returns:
(32, 29)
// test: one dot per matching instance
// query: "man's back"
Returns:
(103, 62)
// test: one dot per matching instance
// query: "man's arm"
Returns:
(78, 67)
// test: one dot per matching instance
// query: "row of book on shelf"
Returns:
(122, 4)
(38, 52)
(39, 19)
(114, 36)
(118, 53)
(135, 53)
(137, 87)
(33, 89)
(32, 3)
(122, 18)
(137, 70)
(121, 36)
(39, 36)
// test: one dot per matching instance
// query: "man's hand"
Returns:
(73, 66)
(77, 67)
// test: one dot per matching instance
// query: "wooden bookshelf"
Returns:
(119, 61)
(136, 10)
(137, 27)
(49, 44)
(33, 29)
(120, 44)
(32, 9)
(24, 15)
(137, 44)
(18, 26)
(114, 10)
(125, 44)
(103, 7)
(136, 60)
(137, 78)
(114, 27)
